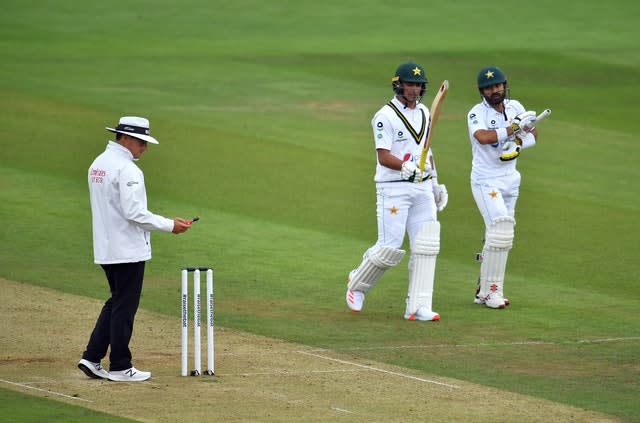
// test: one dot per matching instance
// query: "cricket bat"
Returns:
(543, 115)
(436, 106)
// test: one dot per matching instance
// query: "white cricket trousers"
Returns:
(403, 207)
(496, 197)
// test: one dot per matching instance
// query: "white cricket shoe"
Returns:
(478, 300)
(495, 300)
(129, 375)
(93, 370)
(355, 300)
(423, 314)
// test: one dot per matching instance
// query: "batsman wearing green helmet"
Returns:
(499, 128)
(408, 199)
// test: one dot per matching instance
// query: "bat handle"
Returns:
(544, 114)
(423, 159)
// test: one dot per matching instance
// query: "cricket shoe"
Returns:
(423, 314)
(495, 300)
(130, 375)
(93, 370)
(355, 300)
(478, 300)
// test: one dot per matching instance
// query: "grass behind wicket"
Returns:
(263, 111)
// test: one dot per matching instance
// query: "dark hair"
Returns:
(119, 135)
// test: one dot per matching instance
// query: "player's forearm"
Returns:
(491, 136)
(386, 159)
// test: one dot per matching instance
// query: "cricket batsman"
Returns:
(499, 128)
(407, 198)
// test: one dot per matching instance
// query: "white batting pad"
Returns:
(498, 242)
(422, 267)
(374, 263)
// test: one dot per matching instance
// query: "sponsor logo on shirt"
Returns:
(97, 175)
(400, 137)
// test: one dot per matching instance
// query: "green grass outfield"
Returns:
(262, 110)
(17, 407)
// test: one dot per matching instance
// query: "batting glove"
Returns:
(524, 122)
(441, 195)
(409, 171)
(510, 150)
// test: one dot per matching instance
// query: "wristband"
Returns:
(502, 134)
(528, 141)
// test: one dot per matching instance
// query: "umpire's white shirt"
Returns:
(486, 162)
(121, 221)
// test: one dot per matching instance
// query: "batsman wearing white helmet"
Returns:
(499, 128)
(408, 199)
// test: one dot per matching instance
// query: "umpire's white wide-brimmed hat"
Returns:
(136, 127)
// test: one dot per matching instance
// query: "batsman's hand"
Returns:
(524, 122)
(441, 195)
(427, 172)
(409, 171)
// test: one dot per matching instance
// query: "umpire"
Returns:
(121, 245)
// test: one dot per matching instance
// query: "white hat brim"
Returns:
(147, 138)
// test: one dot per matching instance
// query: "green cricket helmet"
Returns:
(409, 72)
(491, 75)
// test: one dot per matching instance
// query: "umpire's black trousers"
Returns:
(114, 326)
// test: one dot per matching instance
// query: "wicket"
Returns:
(197, 321)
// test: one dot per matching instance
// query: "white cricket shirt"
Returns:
(121, 221)
(486, 161)
(404, 138)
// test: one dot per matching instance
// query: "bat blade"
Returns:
(436, 107)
